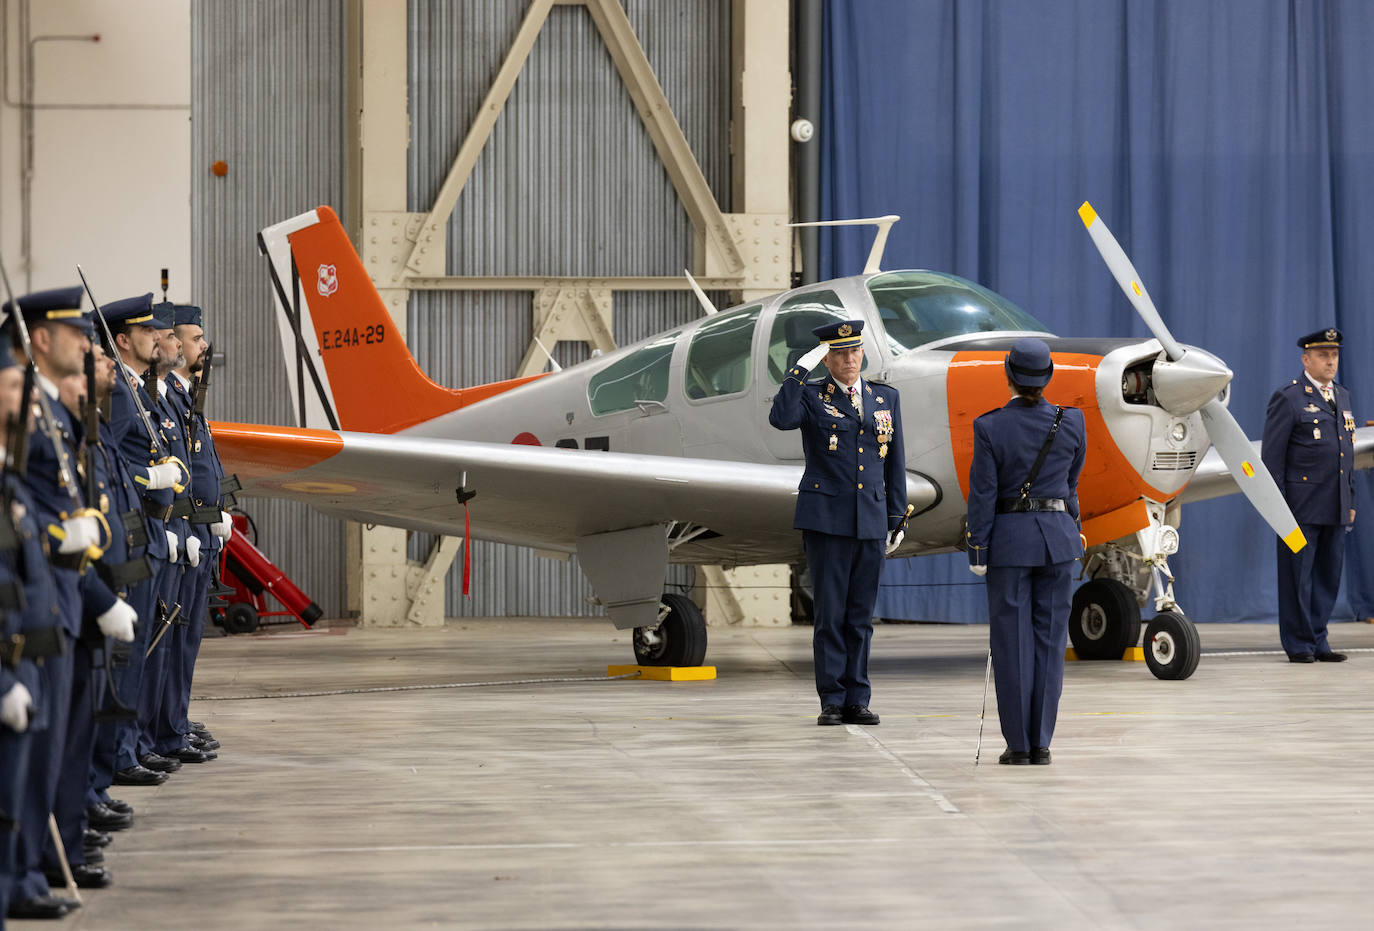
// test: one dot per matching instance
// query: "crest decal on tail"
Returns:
(328, 280)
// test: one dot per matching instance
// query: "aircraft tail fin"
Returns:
(348, 366)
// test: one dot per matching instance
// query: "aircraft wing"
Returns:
(1212, 480)
(528, 495)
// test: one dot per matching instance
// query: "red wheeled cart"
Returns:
(251, 575)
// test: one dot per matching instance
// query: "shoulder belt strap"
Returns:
(1044, 451)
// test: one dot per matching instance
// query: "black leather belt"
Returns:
(181, 507)
(1023, 505)
(74, 561)
(124, 574)
(134, 529)
(36, 643)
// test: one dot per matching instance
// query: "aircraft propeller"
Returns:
(1189, 382)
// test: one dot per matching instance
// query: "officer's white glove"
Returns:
(164, 475)
(979, 571)
(809, 361)
(224, 527)
(894, 540)
(15, 708)
(193, 551)
(173, 550)
(81, 534)
(118, 621)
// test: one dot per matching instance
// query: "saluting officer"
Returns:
(1023, 535)
(1309, 448)
(851, 498)
(209, 521)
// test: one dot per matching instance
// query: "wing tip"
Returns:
(1087, 214)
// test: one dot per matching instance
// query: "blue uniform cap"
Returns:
(189, 315)
(844, 334)
(164, 315)
(131, 311)
(1322, 339)
(1029, 364)
(56, 305)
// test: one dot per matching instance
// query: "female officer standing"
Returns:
(1023, 535)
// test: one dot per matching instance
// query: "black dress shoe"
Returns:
(48, 906)
(191, 755)
(1040, 756)
(139, 776)
(86, 876)
(830, 714)
(1301, 658)
(93, 838)
(160, 763)
(94, 855)
(859, 714)
(199, 744)
(119, 805)
(1331, 656)
(105, 819)
(1015, 757)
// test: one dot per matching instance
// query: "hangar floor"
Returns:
(1243, 797)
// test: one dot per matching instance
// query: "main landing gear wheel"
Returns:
(240, 618)
(679, 640)
(1172, 646)
(1104, 621)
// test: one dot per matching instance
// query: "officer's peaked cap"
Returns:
(1029, 364)
(56, 305)
(131, 311)
(1330, 338)
(842, 334)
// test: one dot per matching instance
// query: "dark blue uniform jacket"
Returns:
(1310, 451)
(855, 479)
(139, 452)
(1006, 443)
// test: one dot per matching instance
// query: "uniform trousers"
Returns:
(1308, 582)
(844, 578)
(122, 736)
(171, 727)
(194, 634)
(1028, 617)
(155, 668)
(14, 765)
(73, 782)
(45, 762)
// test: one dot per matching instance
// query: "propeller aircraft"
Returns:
(660, 452)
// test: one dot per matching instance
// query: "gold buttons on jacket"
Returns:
(861, 484)
(861, 468)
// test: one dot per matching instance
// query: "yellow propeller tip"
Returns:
(1087, 213)
(1295, 540)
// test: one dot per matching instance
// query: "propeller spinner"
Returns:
(1189, 382)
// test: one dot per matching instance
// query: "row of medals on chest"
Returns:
(882, 419)
(1313, 409)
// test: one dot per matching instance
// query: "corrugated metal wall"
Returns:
(568, 183)
(268, 98)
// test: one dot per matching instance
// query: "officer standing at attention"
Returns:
(851, 499)
(1309, 434)
(1023, 536)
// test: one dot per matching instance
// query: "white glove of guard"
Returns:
(163, 476)
(15, 708)
(224, 527)
(81, 533)
(979, 571)
(809, 361)
(118, 621)
(894, 540)
(193, 551)
(173, 551)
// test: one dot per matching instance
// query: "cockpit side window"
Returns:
(791, 337)
(718, 359)
(640, 376)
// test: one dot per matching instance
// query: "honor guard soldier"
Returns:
(187, 385)
(136, 424)
(32, 632)
(1309, 448)
(1023, 536)
(852, 498)
(57, 333)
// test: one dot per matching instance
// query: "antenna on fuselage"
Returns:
(875, 255)
(702, 299)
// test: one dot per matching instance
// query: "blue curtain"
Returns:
(1229, 144)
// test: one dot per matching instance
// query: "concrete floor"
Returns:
(1241, 798)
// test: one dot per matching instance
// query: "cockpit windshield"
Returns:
(919, 307)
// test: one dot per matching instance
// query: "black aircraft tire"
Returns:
(240, 618)
(1104, 621)
(682, 636)
(1172, 646)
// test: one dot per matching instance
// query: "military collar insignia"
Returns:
(868, 387)
(1307, 388)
